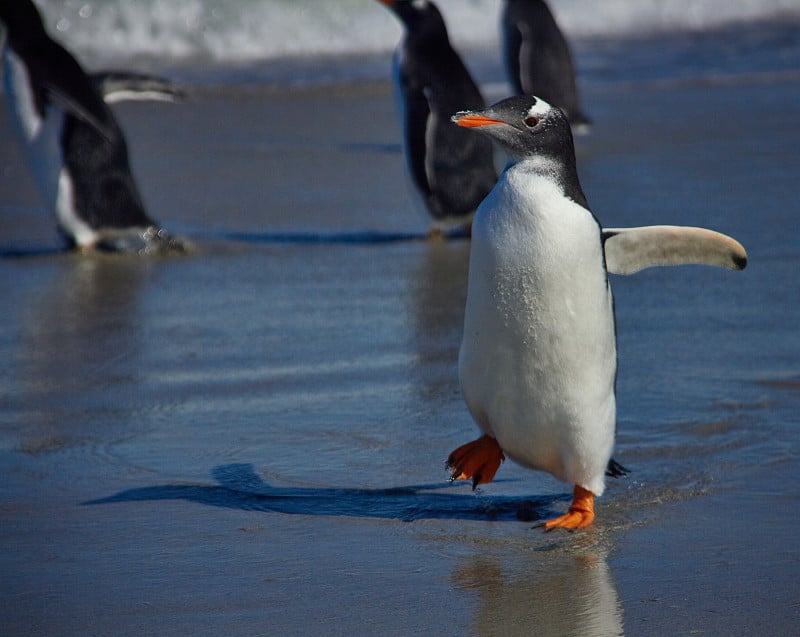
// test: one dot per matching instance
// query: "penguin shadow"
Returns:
(363, 237)
(382, 148)
(31, 251)
(239, 487)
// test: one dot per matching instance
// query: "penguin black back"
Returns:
(537, 56)
(452, 171)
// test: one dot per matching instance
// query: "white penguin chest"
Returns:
(40, 132)
(538, 356)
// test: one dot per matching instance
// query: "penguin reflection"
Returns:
(550, 597)
(79, 345)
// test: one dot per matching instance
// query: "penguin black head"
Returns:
(421, 18)
(526, 126)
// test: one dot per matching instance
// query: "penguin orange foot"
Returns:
(579, 515)
(478, 460)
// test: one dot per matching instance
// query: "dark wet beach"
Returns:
(251, 440)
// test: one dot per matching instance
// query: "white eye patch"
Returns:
(540, 109)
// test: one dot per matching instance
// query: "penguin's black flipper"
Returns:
(65, 84)
(417, 111)
(53, 73)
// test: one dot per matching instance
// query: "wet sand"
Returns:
(250, 440)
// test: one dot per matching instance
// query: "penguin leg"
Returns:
(579, 515)
(478, 460)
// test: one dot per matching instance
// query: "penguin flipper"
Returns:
(629, 250)
(417, 111)
(118, 86)
(66, 84)
(77, 107)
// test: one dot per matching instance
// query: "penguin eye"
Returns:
(530, 121)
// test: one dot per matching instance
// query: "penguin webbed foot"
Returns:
(149, 241)
(579, 515)
(159, 241)
(478, 460)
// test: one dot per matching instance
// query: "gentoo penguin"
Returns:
(452, 170)
(76, 148)
(537, 57)
(538, 359)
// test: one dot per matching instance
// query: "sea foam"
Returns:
(252, 30)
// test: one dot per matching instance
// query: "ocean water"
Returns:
(250, 440)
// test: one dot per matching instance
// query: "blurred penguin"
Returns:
(538, 59)
(452, 170)
(75, 146)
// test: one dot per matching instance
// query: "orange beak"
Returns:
(473, 121)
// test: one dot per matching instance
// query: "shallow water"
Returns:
(250, 439)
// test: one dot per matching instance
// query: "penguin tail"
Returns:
(616, 470)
